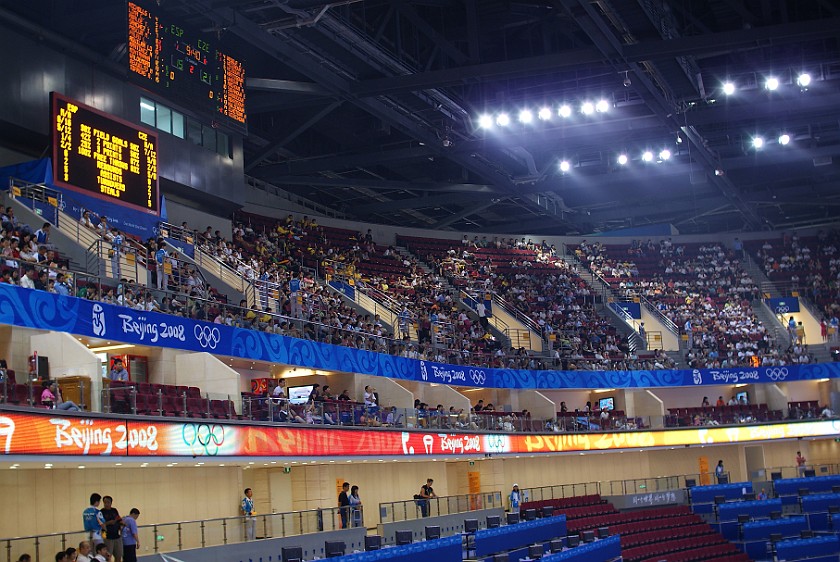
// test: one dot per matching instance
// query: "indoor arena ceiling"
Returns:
(372, 107)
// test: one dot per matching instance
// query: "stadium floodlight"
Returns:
(784, 139)
(647, 156)
(602, 106)
(544, 114)
(728, 88)
(564, 111)
(758, 142)
(772, 83)
(665, 154)
(485, 121)
(503, 120)
(588, 108)
(525, 116)
(804, 80)
(565, 166)
(622, 159)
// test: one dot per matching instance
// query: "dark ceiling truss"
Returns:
(369, 106)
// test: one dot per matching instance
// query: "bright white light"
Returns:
(587, 108)
(622, 159)
(757, 142)
(804, 80)
(665, 154)
(728, 88)
(503, 120)
(565, 111)
(565, 166)
(772, 83)
(784, 139)
(485, 121)
(602, 106)
(647, 156)
(525, 116)
(544, 114)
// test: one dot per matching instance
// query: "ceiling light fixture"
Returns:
(772, 84)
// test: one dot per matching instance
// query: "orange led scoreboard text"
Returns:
(102, 156)
(169, 59)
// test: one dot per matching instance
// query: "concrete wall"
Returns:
(210, 374)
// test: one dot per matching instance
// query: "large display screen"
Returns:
(191, 69)
(97, 154)
(54, 433)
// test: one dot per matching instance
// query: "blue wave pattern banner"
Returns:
(41, 310)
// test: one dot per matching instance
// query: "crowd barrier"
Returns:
(500, 539)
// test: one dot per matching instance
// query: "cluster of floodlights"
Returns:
(527, 116)
(771, 84)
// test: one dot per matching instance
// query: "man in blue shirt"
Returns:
(42, 235)
(116, 249)
(247, 509)
(92, 518)
(129, 536)
(60, 286)
(118, 372)
(515, 499)
(160, 259)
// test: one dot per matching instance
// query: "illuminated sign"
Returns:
(36, 433)
(97, 154)
(170, 59)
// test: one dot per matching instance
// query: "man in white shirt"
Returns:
(102, 554)
(84, 552)
(28, 279)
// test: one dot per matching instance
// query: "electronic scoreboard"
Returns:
(171, 60)
(100, 155)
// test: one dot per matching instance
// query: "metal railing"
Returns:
(560, 491)
(201, 533)
(407, 510)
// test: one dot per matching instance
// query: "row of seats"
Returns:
(696, 529)
(562, 503)
(642, 515)
(713, 553)
(636, 527)
(694, 545)
(166, 400)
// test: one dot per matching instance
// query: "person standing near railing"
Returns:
(426, 495)
(355, 506)
(161, 256)
(116, 250)
(514, 499)
(131, 540)
(247, 509)
(344, 504)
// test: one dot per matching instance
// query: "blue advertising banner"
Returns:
(783, 305)
(632, 309)
(183, 247)
(30, 308)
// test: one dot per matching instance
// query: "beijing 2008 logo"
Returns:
(98, 320)
(206, 336)
(203, 439)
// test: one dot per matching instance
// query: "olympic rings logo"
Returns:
(478, 376)
(782, 309)
(777, 373)
(203, 439)
(207, 337)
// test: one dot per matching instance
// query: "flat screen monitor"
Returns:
(501, 557)
(775, 537)
(809, 473)
(720, 499)
(742, 397)
(512, 518)
(723, 479)
(574, 540)
(403, 537)
(743, 518)
(547, 510)
(775, 476)
(530, 514)
(690, 482)
(373, 542)
(806, 534)
(607, 403)
(432, 532)
(471, 525)
(493, 522)
(804, 491)
(299, 394)
(775, 515)
(291, 554)
(334, 549)
(588, 536)
(535, 551)
(556, 545)
(749, 496)
(603, 532)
